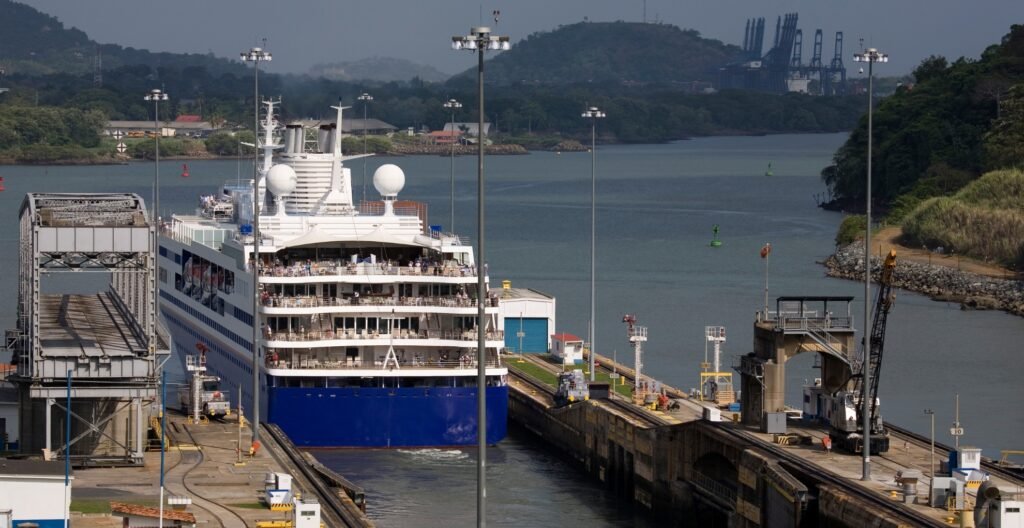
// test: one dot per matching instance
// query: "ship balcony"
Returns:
(423, 363)
(335, 271)
(311, 304)
(364, 338)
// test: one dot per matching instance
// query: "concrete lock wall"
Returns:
(689, 471)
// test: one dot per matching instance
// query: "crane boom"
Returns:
(883, 304)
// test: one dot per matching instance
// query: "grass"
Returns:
(90, 506)
(984, 220)
(534, 371)
(545, 376)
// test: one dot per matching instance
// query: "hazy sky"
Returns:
(301, 33)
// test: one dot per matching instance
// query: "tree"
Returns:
(1004, 143)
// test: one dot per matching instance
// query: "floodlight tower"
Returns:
(479, 40)
(870, 56)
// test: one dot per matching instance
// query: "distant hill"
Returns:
(383, 69)
(34, 43)
(609, 52)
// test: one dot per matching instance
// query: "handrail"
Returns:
(457, 335)
(466, 361)
(330, 268)
(312, 301)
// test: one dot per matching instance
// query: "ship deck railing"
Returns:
(327, 268)
(312, 301)
(465, 362)
(328, 335)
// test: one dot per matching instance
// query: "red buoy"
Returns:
(2, 184)
(184, 170)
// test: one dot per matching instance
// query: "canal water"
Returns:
(656, 207)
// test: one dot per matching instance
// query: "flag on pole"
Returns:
(766, 250)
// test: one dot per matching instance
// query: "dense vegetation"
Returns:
(41, 134)
(633, 71)
(35, 43)
(603, 52)
(985, 220)
(935, 136)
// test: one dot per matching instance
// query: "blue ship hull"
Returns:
(379, 417)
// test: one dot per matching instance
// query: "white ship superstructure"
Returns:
(367, 317)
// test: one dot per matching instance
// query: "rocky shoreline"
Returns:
(972, 291)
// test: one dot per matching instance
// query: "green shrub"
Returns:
(985, 220)
(374, 144)
(851, 229)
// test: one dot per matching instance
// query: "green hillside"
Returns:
(34, 43)
(603, 52)
(984, 220)
(932, 137)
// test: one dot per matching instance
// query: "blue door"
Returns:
(534, 338)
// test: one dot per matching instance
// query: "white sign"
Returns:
(118, 134)
(956, 431)
(121, 147)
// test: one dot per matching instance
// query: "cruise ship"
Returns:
(367, 314)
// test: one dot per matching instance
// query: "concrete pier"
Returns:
(678, 465)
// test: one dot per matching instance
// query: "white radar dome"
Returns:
(389, 180)
(281, 180)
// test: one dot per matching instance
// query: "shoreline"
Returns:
(972, 291)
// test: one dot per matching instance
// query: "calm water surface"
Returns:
(656, 207)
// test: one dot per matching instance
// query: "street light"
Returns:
(156, 96)
(452, 105)
(256, 56)
(365, 98)
(479, 40)
(593, 114)
(931, 459)
(870, 56)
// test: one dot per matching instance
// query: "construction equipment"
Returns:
(202, 397)
(847, 406)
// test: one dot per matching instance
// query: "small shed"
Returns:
(527, 317)
(136, 516)
(568, 348)
(32, 491)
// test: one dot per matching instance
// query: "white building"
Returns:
(568, 348)
(8, 411)
(527, 312)
(33, 491)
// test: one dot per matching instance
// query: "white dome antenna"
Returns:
(389, 180)
(281, 181)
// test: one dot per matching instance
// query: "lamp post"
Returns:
(155, 96)
(452, 105)
(870, 56)
(365, 98)
(593, 114)
(256, 56)
(931, 458)
(479, 40)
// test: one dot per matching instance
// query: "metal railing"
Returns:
(330, 335)
(466, 362)
(713, 487)
(327, 268)
(311, 301)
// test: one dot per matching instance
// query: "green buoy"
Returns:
(769, 171)
(715, 242)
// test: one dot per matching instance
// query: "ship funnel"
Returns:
(293, 138)
(323, 138)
